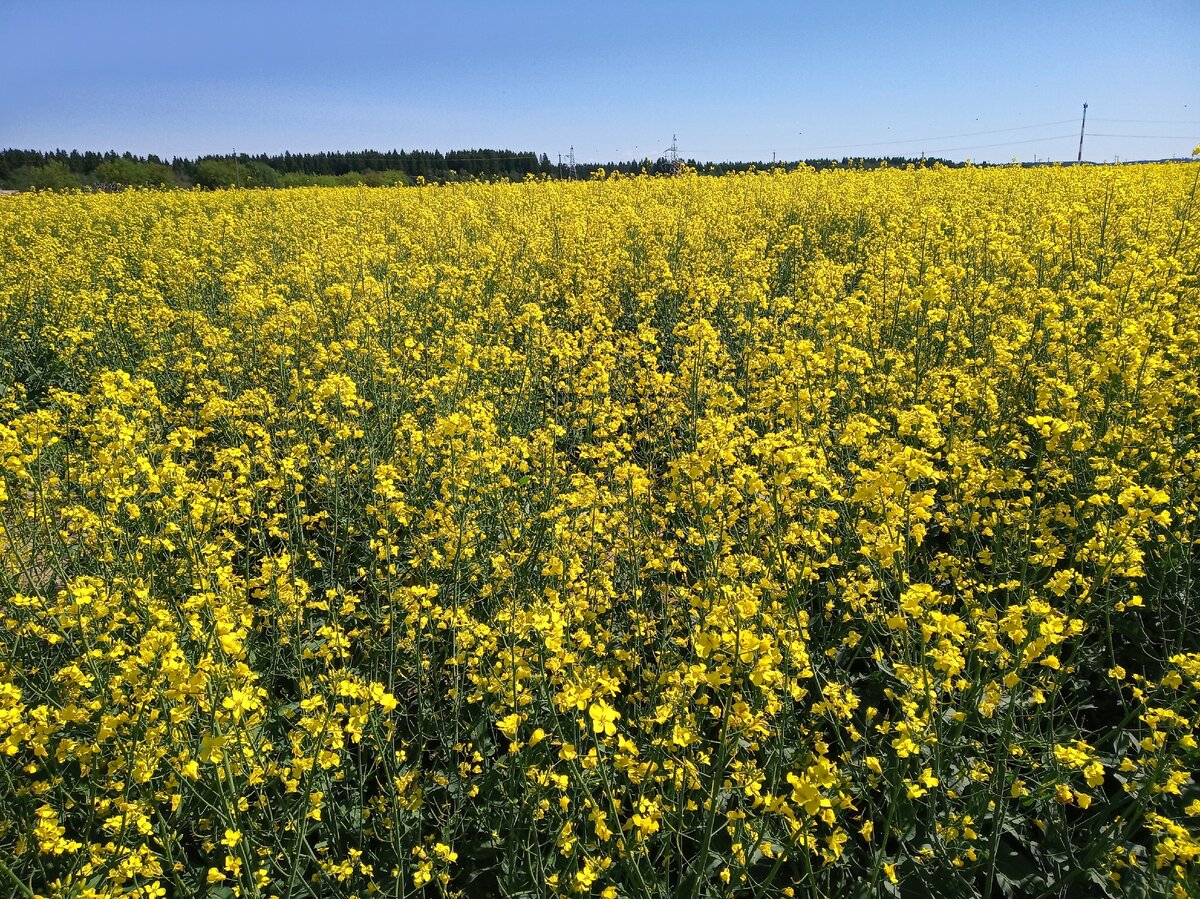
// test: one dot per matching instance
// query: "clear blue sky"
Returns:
(616, 80)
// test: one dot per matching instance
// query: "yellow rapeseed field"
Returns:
(809, 534)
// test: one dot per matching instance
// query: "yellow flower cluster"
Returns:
(772, 535)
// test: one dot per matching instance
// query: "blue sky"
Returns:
(988, 81)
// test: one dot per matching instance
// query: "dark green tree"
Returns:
(130, 173)
(53, 175)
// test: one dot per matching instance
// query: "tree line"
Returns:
(60, 169)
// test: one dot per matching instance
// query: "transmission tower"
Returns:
(571, 162)
(673, 155)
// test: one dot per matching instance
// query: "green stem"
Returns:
(25, 891)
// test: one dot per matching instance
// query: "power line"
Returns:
(917, 140)
(1035, 140)
(1146, 121)
(1006, 143)
(1150, 136)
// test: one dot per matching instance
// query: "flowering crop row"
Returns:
(775, 535)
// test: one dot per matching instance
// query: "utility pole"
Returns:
(1082, 125)
(237, 171)
(560, 170)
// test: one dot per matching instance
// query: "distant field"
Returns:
(811, 534)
